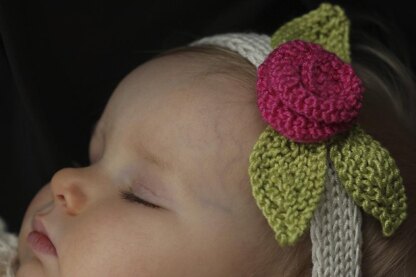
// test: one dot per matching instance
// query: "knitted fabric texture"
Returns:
(307, 93)
(328, 26)
(371, 177)
(253, 47)
(311, 104)
(287, 179)
(336, 231)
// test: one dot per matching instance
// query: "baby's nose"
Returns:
(68, 188)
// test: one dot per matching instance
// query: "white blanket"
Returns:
(8, 250)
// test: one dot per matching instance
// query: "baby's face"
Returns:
(179, 143)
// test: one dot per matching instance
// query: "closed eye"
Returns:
(131, 197)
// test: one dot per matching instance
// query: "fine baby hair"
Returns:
(314, 167)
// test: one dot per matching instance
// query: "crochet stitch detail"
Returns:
(307, 93)
(336, 231)
(287, 181)
(254, 47)
(371, 177)
(327, 25)
(288, 177)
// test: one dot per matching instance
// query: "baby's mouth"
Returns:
(39, 240)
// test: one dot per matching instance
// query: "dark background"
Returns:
(60, 62)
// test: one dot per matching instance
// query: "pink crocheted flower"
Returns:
(307, 93)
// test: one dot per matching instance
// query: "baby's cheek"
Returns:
(110, 240)
(218, 246)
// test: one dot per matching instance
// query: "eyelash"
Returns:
(129, 196)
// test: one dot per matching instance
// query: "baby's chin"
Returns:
(32, 268)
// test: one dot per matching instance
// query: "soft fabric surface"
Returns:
(8, 248)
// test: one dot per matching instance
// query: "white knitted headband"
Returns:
(314, 166)
(336, 225)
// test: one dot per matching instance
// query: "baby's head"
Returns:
(176, 133)
(168, 191)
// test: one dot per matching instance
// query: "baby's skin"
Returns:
(181, 144)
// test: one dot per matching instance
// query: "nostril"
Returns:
(61, 197)
(71, 199)
(68, 189)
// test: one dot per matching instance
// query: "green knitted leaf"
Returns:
(287, 180)
(371, 177)
(327, 25)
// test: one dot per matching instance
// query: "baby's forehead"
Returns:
(181, 88)
(194, 122)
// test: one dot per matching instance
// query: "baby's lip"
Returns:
(38, 226)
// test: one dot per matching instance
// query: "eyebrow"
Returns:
(143, 152)
(151, 157)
